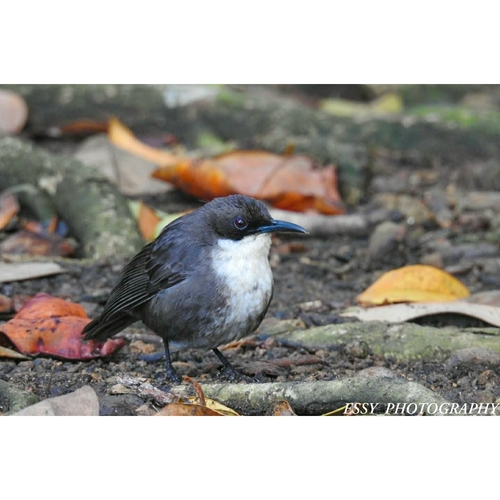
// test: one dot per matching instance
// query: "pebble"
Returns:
(357, 349)
(387, 243)
(485, 377)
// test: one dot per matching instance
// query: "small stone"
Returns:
(81, 402)
(486, 377)
(321, 353)
(357, 349)
(26, 365)
(312, 305)
(484, 397)
(387, 243)
(145, 411)
(433, 259)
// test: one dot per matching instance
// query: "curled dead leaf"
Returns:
(289, 182)
(399, 313)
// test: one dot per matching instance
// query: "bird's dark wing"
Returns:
(158, 266)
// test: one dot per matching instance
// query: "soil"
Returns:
(314, 279)
(313, 290)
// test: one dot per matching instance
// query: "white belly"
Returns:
(243, 267)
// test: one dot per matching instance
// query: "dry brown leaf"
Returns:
(418, 283)
(216, 406)
(6, 304)
(147, 221)
(282, 409)
(187, 410)
(289, 182)
(26, 242)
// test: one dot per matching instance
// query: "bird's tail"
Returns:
(100, 330)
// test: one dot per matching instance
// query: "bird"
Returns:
(205, 281)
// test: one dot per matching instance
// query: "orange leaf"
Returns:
(50, 226)
(290, 182)
(26, 242)
(9, 207)
(122, 137)
(282, 409)
(147, 221)
(416, 283)
(43, 305)
(84, 127)
(6, 304)
(53, 326)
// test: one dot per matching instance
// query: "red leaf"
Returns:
(53, 326)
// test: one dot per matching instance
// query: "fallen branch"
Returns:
(94, 209)
(317, 398)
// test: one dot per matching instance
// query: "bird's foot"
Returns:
(172, 376)
(230, 374)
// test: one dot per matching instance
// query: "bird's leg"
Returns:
(172, 375)
(228, 369)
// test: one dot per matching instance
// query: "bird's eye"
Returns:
(240, 223)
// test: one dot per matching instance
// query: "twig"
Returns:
(197, 388)
(145, 389)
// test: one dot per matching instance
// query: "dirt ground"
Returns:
(297, 283)
(315, 278)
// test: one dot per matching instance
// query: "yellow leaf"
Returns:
(122, 137)
(217, 407)
(418, 283)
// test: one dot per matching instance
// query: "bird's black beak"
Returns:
(282, 226)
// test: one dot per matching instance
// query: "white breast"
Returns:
(243, 267)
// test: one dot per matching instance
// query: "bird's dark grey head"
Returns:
(236, 216)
